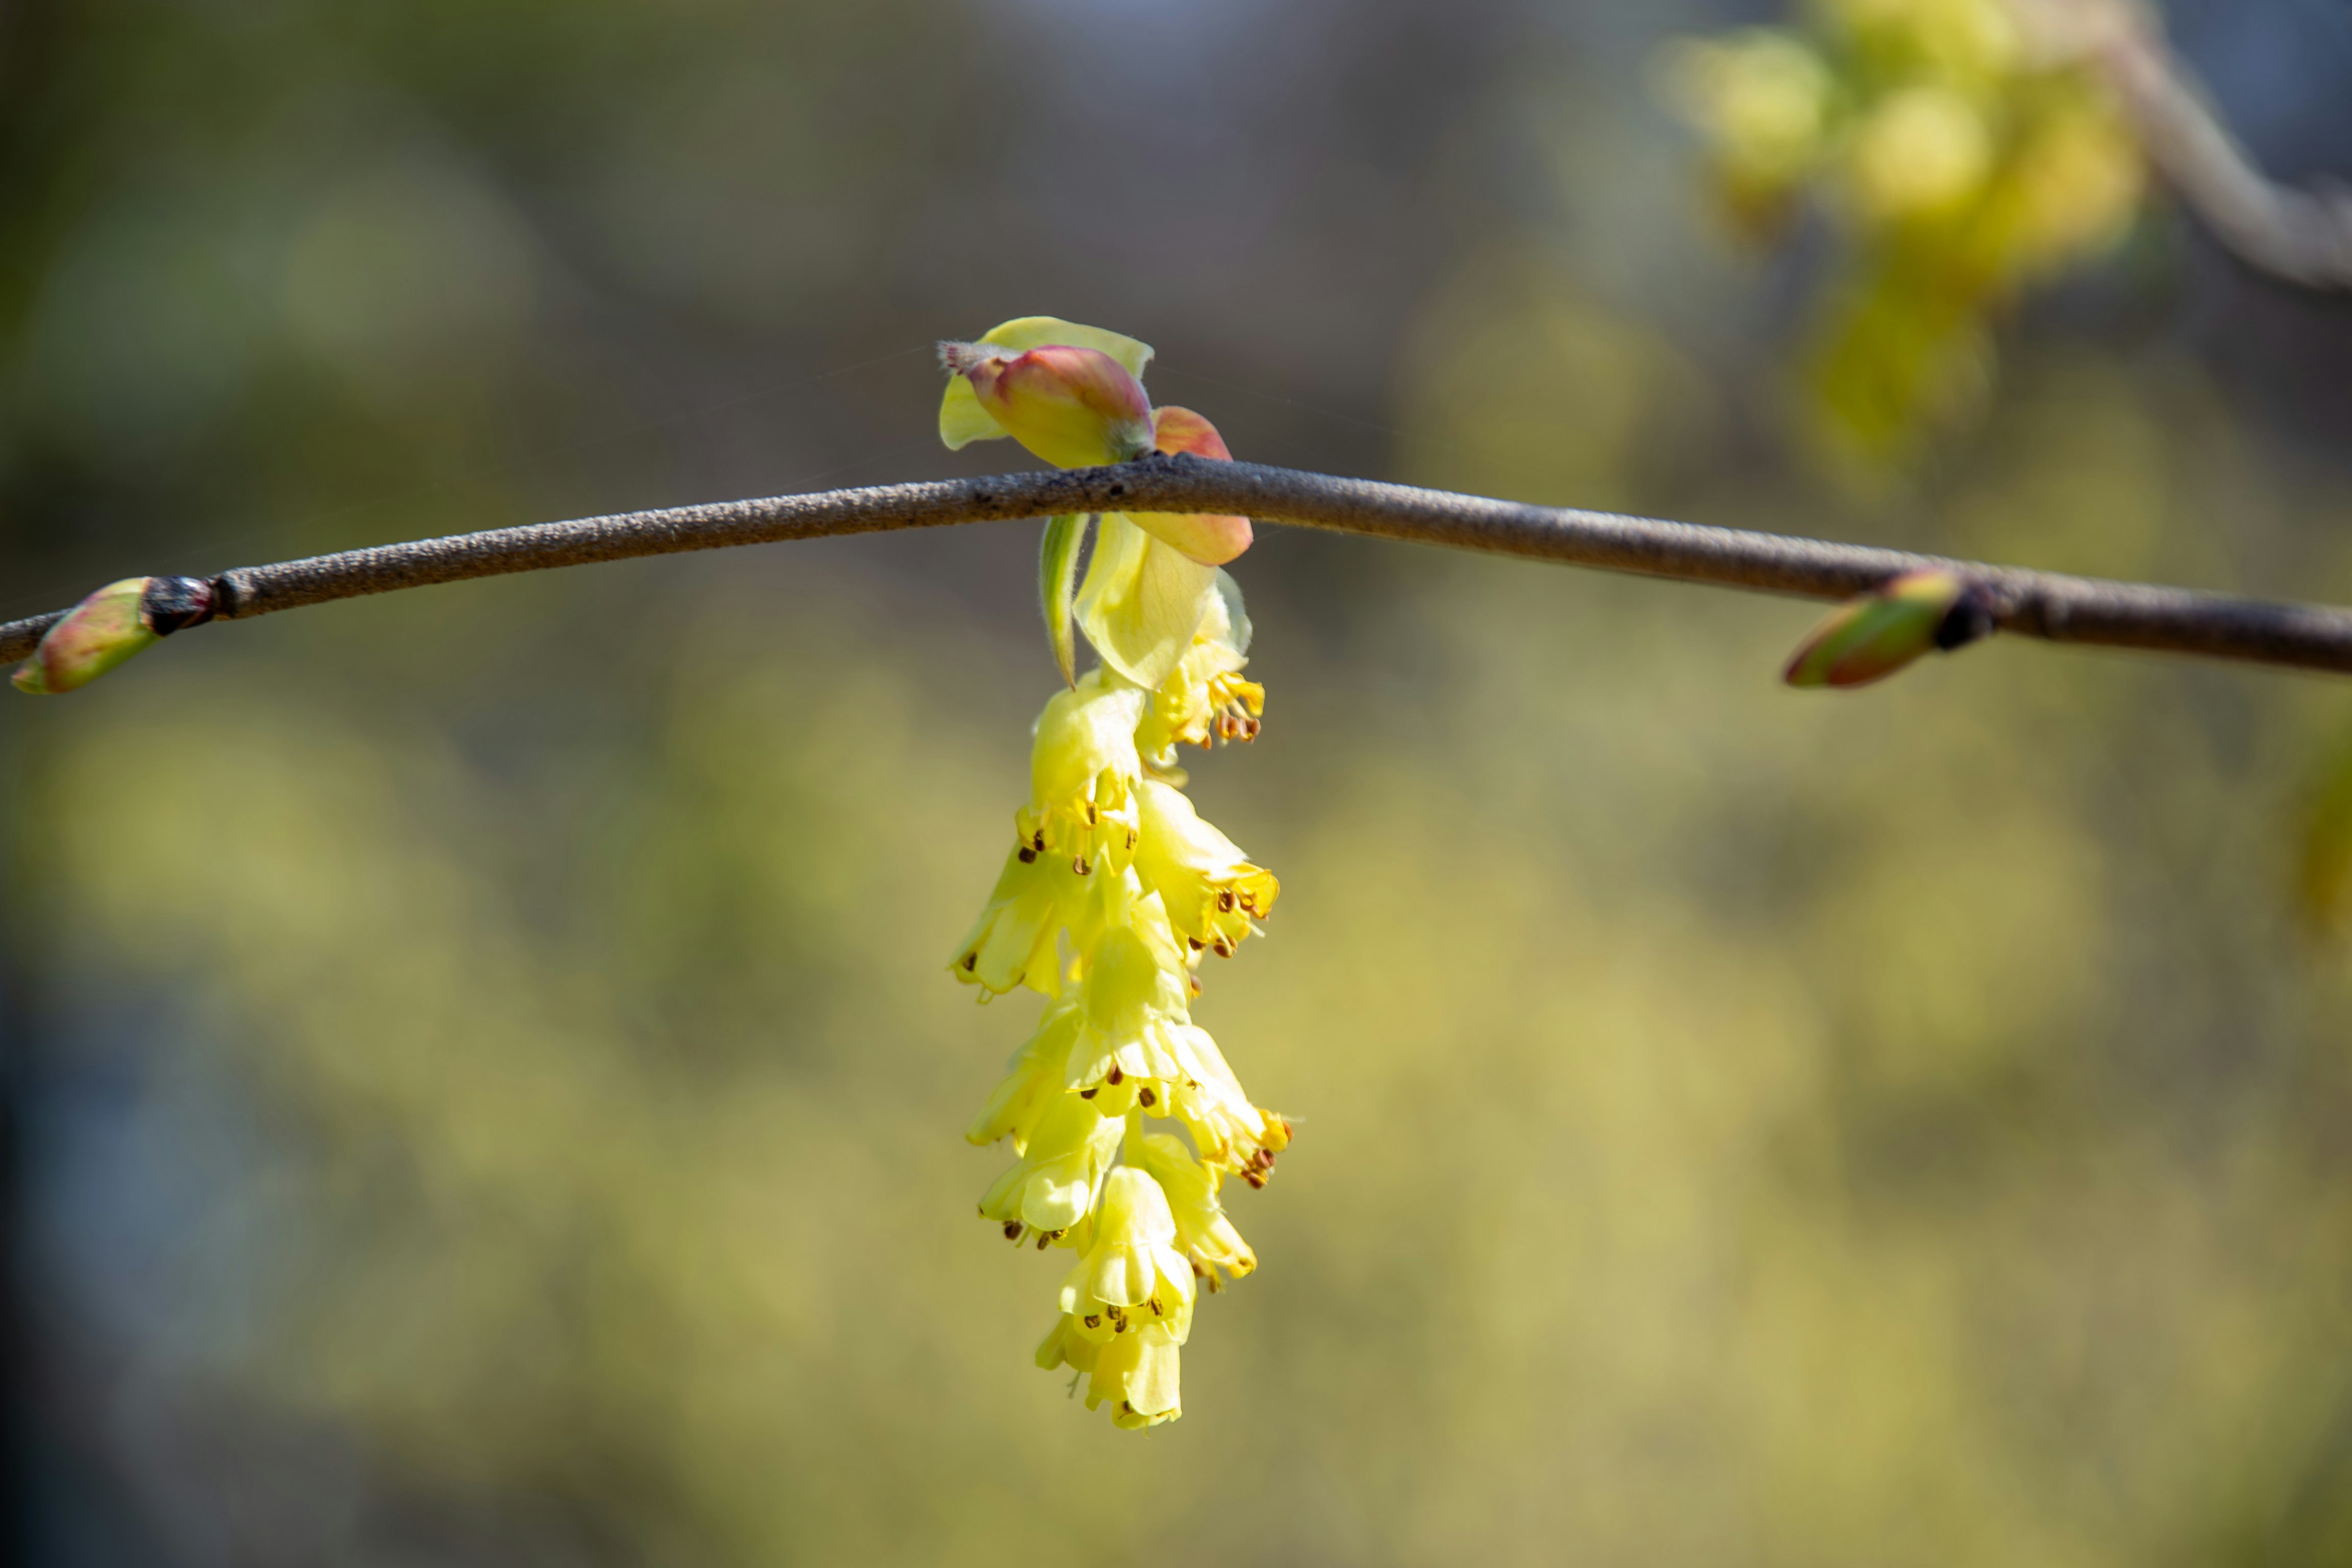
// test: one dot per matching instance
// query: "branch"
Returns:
(2049, 605)
(2302, 236)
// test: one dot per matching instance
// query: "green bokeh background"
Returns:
(489, 1089)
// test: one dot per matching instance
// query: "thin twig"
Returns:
(2033, 604)
(2302, 236)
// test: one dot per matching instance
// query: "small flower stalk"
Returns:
(1124, 1119)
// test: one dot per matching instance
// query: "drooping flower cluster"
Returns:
(1114, 890)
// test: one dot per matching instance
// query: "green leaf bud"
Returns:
(1871, 636)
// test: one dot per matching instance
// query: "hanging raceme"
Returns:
(1114, 889)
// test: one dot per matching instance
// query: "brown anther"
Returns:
(1223, 949)
(1028, 855)
(1037, 842)
(1090, 1093)
(1012, 1230)
(1252, 1178)
(1126, 1409)
(1044, 1240)
(1195, 942)
(971, 962)
(1093, 1320)
(1130, 838)
(1119, 1325)
(1199, 1272)
(1115, 1076)
(1155, 1308)
(1224, 900)
(1090, 814)
(1080, 866)
(1145, 1098)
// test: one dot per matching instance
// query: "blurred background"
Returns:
(483, 1083)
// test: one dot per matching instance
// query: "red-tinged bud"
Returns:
(1208, 538)
(110, 626)
(1075, 407)
(1872, 636)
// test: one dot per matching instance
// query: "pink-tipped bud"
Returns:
(1076, 408)
(1871, 636)
(110, 626)
(1210, 538)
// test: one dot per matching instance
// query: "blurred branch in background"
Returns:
(1969, 154)
(2055, 606)
(2303, 237)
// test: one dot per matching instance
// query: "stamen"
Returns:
(1146, 1098)
(1013, 1230)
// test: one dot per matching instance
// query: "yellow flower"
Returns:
(1083, 770)
(1225, 1127)
(1212, 893)
(1130, 1051)
(1205, 698)
(1016, 940)
(1923, 151)
(1203, 1234)
(1033, 1082)
(1053, 1186)
(1128, 1301)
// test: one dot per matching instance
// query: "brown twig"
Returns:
(2049, 605)
(2302, 236)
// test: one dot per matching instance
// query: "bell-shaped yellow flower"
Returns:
(1130, 1051)
(1015, 941)
(1052, 1187)
(1133, 1265)
(1083, 770)
(1215, 1110)
(1204, 699)
(1033, 1083)
(1127, 1305)
(1203, 1234)
(1212, 894)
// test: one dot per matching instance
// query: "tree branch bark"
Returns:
(2049, 605)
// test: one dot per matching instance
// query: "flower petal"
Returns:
(1210, 538)
(1142, 601)
(962, 420)
(1025, 332)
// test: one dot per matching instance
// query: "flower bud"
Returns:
(108, 627)
(1872, 636)
(1210, 538)
(1075, 407)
